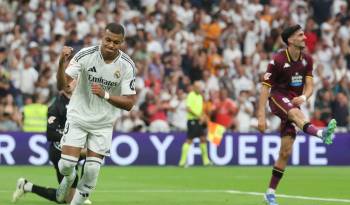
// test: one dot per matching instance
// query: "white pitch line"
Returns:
(216, 191)
(290, 196)
(230, 192)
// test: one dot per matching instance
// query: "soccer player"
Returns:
(195, 124)
(289, 76)
(56, 121)
(105, 81)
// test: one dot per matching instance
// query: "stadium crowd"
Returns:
(226, 44)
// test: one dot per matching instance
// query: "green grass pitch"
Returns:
(193, 186)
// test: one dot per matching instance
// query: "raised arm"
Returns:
(63, 79)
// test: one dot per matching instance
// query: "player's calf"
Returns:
(66, 166)
(88, 180)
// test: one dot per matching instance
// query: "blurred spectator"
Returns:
(10, 117)
(316, 119)
(156, 112)
(29, 76)
(323, 104)
(178, 111)
(5, 83)
(83, 27)
(131, 122)
(34, 115)
(340, 112)
(35, 54)
(74, 41)
(245, 112)
(311, 35)
(225, 111)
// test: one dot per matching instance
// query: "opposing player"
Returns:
(105, 81)
(56, 121)
(289, 76)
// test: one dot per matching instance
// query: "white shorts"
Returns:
(96, 140)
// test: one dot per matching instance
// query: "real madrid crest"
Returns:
(117, 73)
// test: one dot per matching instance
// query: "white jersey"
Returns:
(117, 78)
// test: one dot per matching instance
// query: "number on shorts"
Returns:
(66, 129)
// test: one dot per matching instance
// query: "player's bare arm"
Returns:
(63, 79)
(308, 89)
(125, 102)
(265, 90)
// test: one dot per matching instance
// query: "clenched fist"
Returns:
(297, 101)
(97, 90)
(66, 53)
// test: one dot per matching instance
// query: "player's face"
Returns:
(70, 87)
(111, 42)
(298, 39)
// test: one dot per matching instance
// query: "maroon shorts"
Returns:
(280, 106)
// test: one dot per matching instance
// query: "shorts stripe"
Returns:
(274, 101)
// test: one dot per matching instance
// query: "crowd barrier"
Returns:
(18, 148)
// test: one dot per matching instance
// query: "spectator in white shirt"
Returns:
(28, 77)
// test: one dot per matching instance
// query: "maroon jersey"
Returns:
(286, 76)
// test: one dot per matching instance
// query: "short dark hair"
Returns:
(289, 31)
(115, 28)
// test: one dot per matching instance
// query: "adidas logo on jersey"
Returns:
(92, 69)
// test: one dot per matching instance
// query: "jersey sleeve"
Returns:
(128, 81)
(309, 67)
(74, 67)
(271, 73)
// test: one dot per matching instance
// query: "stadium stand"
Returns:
(226, 44)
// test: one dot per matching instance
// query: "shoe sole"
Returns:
(265, 200)
(332, 125)
(19, 192)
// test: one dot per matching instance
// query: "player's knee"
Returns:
(91, 171)
(66, 164)
(285, 153)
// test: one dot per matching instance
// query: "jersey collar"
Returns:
(290, 59)
(115, 60)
